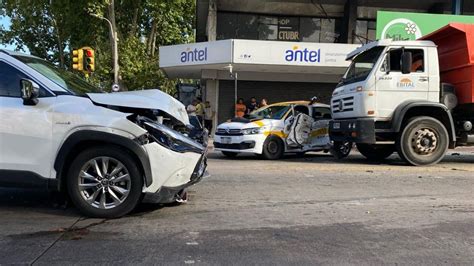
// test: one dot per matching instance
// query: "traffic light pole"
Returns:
(114, 48)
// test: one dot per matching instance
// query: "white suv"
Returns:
(107, 151)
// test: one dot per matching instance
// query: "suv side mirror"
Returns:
(406, 62)
(29, 92)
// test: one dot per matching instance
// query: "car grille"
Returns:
(235, 146)
(342, 104)
(228, 132)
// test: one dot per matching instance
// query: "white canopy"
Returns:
(257, 60)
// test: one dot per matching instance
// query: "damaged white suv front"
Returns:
(108, 151)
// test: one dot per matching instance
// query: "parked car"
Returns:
(106, 150)
(286, 127)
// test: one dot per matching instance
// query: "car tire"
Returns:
(376, 152)
(273, 148)
(341, 150)
(423, 141)
(104, 182)
(230, 154)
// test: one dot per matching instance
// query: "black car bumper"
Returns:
(353, 130)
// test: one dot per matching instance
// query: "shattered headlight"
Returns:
(171, 139)
(252, 131)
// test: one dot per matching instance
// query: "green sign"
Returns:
(411, 26)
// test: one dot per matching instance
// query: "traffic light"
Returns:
(89, 62)
(77, 60)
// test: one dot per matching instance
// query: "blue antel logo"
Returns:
(196, 55)
(305, 55)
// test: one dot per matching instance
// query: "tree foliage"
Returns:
(52, 28)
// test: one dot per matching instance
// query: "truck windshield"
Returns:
(361, 66)
(270, 112)
(71, 83)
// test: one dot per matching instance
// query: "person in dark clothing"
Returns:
(252, 106)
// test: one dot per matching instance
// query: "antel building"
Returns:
(280, 50)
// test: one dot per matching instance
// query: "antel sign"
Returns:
(196, 53)
(290, 53)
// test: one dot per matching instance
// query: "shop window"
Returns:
(319, 30)
(310, 29)
(226, 26)
(247, 27)
(329, 32)
(267, 28)
(254, 27)
(288, 29)
(364, 32)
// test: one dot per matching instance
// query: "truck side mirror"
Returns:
(406, 62)
(29, 92)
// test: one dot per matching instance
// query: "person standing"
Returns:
(264, 103)
(191, 109)
(200, 109)
(208, 116)
(252, 106)
(240, 108)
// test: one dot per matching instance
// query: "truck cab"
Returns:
(413, 97)
(374, 84)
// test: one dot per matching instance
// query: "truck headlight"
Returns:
(172, 139)
(252, 131)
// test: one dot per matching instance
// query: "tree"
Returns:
(52, 28)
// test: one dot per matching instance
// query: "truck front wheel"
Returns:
(376, 152)
(423, 141)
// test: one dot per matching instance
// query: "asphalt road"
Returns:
(305, 211)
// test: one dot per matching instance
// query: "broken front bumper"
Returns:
(172, 194)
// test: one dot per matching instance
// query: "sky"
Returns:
(5, 22)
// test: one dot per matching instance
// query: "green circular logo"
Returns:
(401, 29)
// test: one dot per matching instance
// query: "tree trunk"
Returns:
(151, 38)
(134, 26)
(59, 41)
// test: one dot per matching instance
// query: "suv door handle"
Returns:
(423, 79)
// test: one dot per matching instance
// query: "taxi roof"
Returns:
(299, 102)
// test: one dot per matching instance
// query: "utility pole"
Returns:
(114, 49)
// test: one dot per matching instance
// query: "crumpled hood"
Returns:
(145, 99)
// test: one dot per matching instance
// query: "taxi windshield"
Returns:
(270, 112)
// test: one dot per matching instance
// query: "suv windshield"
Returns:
(270, 112)
(361, 66)
(71, 83)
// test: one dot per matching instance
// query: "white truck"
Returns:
(107, 151)
(413, 97)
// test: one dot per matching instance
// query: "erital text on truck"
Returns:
(413, 97)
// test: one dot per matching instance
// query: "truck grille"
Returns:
(342, 105)
(228, 132)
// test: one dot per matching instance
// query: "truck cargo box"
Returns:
(456, 58)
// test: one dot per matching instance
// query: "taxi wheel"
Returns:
(273, 148)
(230, 154)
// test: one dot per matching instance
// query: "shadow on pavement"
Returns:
(55, 203)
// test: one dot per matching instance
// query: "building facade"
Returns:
(281, 50)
